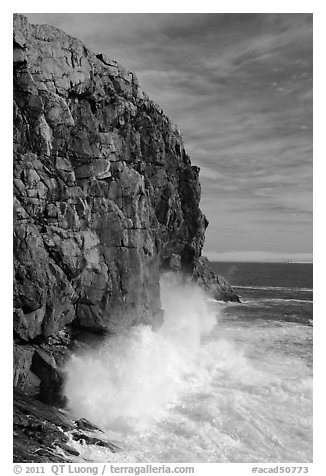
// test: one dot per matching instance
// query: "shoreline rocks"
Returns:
(44, 434)
(105, 197)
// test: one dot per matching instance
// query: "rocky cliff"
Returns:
(105, 198)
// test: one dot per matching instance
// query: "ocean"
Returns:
(217, 383)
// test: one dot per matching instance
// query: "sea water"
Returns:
(217, 383)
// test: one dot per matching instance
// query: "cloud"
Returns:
(239, 86)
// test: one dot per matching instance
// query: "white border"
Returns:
(318, 467)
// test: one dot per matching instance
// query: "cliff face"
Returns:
(105, 197)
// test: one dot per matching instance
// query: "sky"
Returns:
(239, 87)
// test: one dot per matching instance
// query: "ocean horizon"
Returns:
(217, 383)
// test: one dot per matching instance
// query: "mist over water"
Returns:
(132, 379)
(209, 386)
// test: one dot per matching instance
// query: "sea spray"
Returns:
(239, 391)
(132, 380)
(188, 314)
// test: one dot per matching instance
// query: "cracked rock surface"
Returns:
(105, 198)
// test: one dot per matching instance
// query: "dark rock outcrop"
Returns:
(105, 197)
(215, 285)
(44, 434)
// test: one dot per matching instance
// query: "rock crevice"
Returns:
(105, 198)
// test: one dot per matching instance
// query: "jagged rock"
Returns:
(105, 196)
(45, 367)
(83, 424)
(43, 433)
(201, 272)
(23, 355)
(174, 263)
(215, 285)
(91, 440)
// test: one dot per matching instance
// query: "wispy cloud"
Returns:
(239, 86)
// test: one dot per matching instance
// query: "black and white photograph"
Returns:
(163, 239)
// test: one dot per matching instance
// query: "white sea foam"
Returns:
(196, 391)
(132, 379)
(274, 288)
(259, 301)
